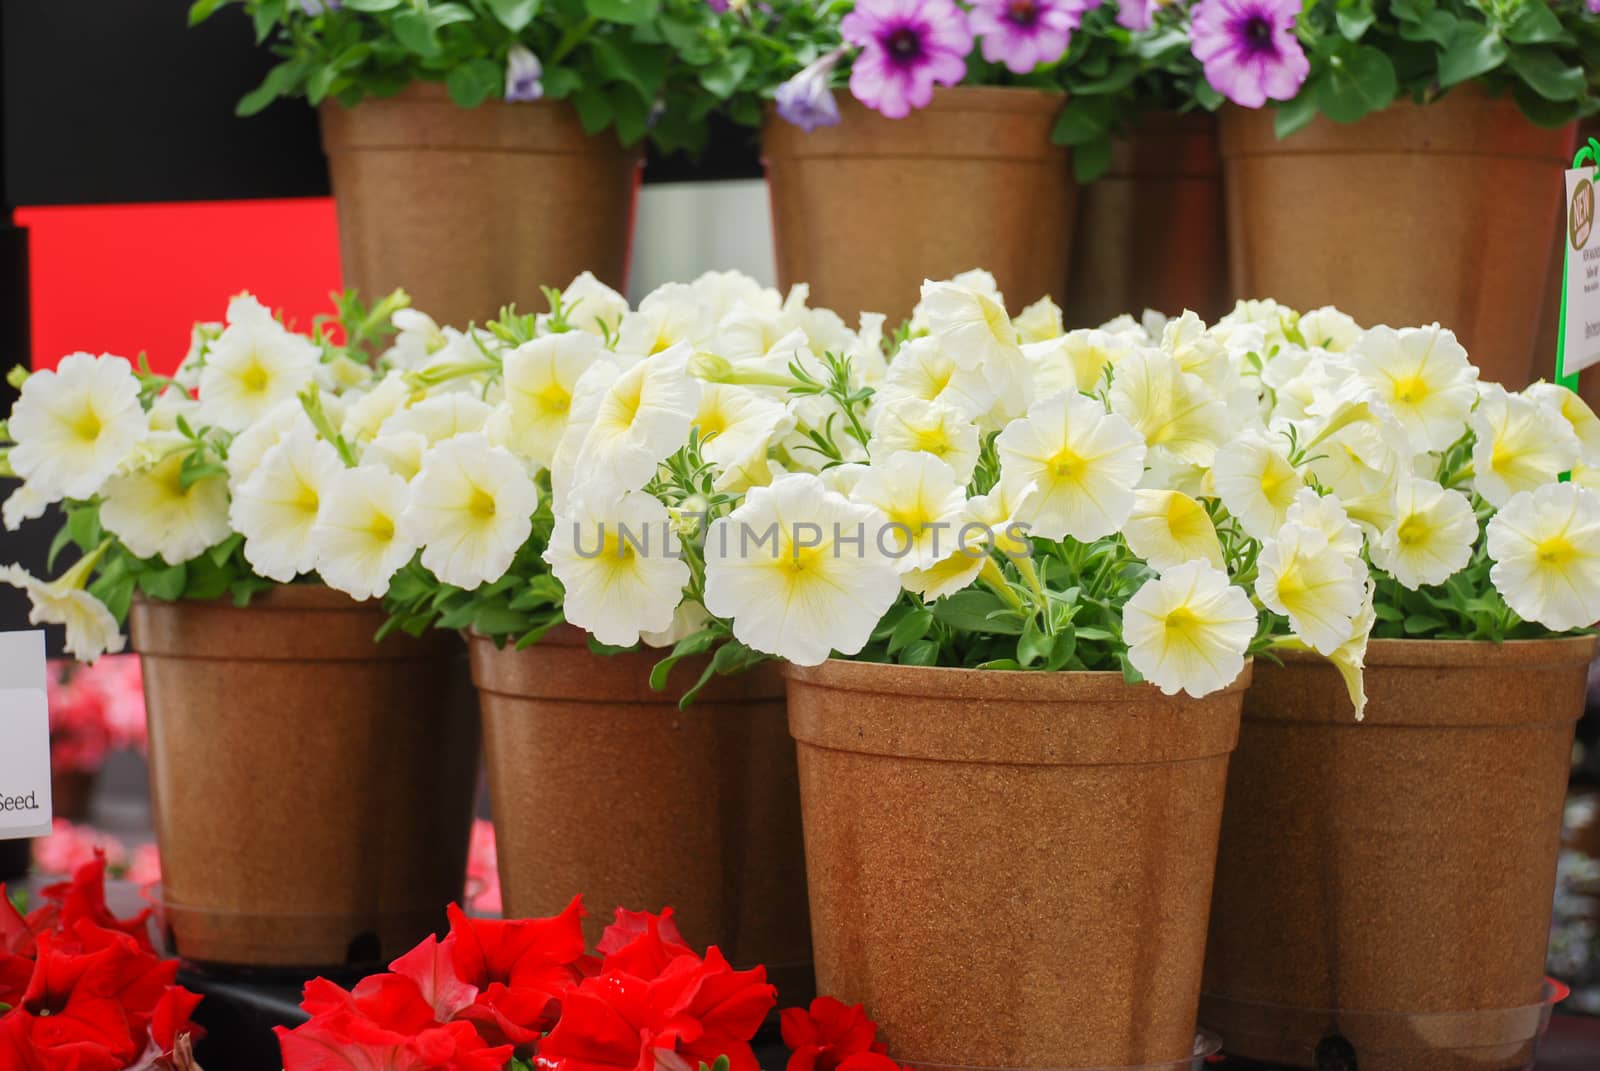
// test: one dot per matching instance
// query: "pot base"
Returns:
(301, 942)
(1206, 1045)
(1274, 1035)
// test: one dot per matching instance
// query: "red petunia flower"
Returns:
(344, 1040)
(641, 944)
(827, 1034)
(521, 968)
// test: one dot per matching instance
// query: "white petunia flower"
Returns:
(254, 365)
(75, 425)
(1575, 411)
(367, 410)
(671, 316)
(737, 425)
(155, 515)
(1040, 321)
(924, 371)
(1325, 514)
(357, 536)
(539, 380)
(1546, 548)
(23, 505)
(621, 566)
(1432, 537)
(1318, 589)
(276, 508)
(591, 306)
(923, 501)
(972, 326)
(401, 453)
(643, 416)
(989, 522)
(251, 445)
(1252, 476)
(439, 418)
(1422, 374)
(1329, 329)
(1521, 445)
(930, 427)
(797, 570)
(1075, 361)
(470, 508)
(1168, 528)
(417, 338)
(1084, 461)
(720, 292)
(1171, 409)
(92, 630)
(1189, 629)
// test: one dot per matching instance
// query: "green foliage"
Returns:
(1366, 55)
(619, 62)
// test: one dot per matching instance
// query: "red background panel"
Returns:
(129, 278)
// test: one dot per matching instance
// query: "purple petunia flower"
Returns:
(907, 46)
(1025, 33)
(1137, 14)
(317, 7)
(719, 6)
(1249, 49)
(805, 100)
(523, 71)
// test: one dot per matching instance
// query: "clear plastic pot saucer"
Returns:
(1206, 1045)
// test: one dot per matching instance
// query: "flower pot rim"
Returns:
(1100, 686)
(1445, 654)
(291, 596)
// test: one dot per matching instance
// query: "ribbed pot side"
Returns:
(1011, 869)
(602, 786)
(1389, 881)
(1417, 214)
(864, 211)
(312, 790)
(471, 209)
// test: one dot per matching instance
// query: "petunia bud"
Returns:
(806, 99)
(523, 71)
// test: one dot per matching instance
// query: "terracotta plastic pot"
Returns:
(1420, 213)
(602, 786)
(1011, 869)
(866, 210)
(1150, 231)
(472, 209)
(312, 790)
(1386, 885)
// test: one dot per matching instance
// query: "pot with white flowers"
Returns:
(1014, 681)
(312, 791)
(1399, 140)
(477, 152)
(1388, 853)
(600, 783)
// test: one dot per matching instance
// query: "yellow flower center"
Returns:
(255, 376)
(1185, 519)
(712, 421)
(1291, 584)
(1277, 484)
(1410, 389)
(938, 379)
(88, 425)
(1556, 551)
(1065, 464)
(382, 527)
(307, 499)
(481, 504)
(662, 342)
(554, 399)
(799, 561)
(935, 441)
(1181, 622)
(1413, 531)
(628, 399)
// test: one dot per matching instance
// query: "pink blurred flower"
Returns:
(483, 870)
(145, 868)
(69, 847)
(93, 710)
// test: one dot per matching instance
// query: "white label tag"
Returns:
(25, 805)
(1581, 347)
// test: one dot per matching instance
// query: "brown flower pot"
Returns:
(72, 794)
(312, 790)
(866, 210)
(471, 209)
(1389, 882)
(1011, 869)
(1420, 213)
(603, 787)
(1150, 231)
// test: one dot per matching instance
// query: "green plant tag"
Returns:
(1578, 338)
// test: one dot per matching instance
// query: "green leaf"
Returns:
(975, 610)
(282, 81)
(560, 82)
(1090, 160)
(912, 627)
(1432, 25)
(493, 620)
(630, 114)
(514, 14)
(1082, 120)
(1546, 75)
(1361, 81)
(1353, 22)
(723, 77)
(1417, 624)
(641, 67)
(165, 584)
(446, 14)
(1034, 644)
(84, 524)
(472, 82)
(627, 12)
(594, 108)
(1535, 24)
(1292, 115)
(1474, 50)
(201, 10)
(372, 5)
(265, 15)
(696, 643)
(418, 32)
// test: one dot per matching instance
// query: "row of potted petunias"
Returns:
(1020, 576)
(911, 138)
